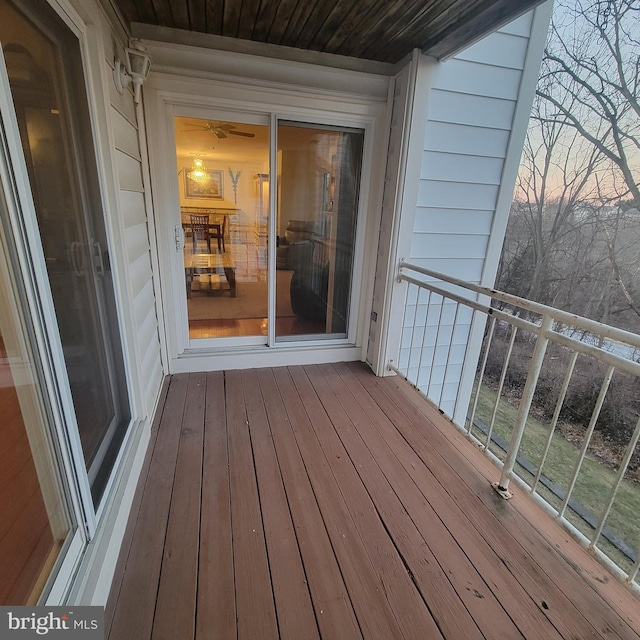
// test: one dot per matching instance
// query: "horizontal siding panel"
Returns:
(148, 329)
(459, 138)
(520, 26)
(456, 195)
(153, 385)
(148, 341)
(152, 369)
(148, 337)
(461, 168)
(469, 269)
(125, 135)
(424, 245)
(133, 209)
(498, 49)
(150, 357)
(129, 172)
(448, 106)
(140, 273)
(123, 104)
(477, 79)
(442, 221)
(431, 307)
(137, 242)
(142, 303)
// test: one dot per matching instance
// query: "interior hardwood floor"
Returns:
(288, 326)
(323, 502)
(26, 540)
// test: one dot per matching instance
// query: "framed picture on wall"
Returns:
(212, 187)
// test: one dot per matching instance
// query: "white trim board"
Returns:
(197, 62)
(167, 95)
(264, 357)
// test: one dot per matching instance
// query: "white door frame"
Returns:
(172, 93)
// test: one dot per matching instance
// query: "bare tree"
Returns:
(574, 231)
(591, 78)
(555, 180)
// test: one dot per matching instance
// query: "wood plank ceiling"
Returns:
(381, 30)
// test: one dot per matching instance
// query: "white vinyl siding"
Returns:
(136, 241)
(469, 121)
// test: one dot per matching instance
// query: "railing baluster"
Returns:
(503, 375)
(404, 324)
(413, 330)
(424, 337)
(492, 326)
(634, 572)
(464, 363)
(619, 478)
(435, 346)
(502, 486)
(587, 438)
(446, 366)
(554, 420)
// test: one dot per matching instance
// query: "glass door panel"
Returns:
(47, 86)
(224, 213)
(34, 519)
(318, 185)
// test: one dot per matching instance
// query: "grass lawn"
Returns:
(593, 484)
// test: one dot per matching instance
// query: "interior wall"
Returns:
(244, 196)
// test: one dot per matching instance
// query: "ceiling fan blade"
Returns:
(220, 134)
(244, 134)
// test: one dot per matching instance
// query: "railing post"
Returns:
(502, 486)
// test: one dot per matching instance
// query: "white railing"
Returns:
(447, 335)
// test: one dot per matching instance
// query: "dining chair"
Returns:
(219, 231)
(200, 230)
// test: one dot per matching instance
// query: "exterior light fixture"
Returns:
(134, 70)
(198, 172)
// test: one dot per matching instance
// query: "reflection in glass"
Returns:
(318, 184)
(47, 87)
(34, 520)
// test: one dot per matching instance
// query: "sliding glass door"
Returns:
(237, 291)
(35, 518)
(223, 187)
(318, 185)
(46, 78)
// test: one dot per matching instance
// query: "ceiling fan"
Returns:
(220, 129)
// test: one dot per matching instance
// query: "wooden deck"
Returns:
(322, 502)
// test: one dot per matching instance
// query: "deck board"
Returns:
(332, 604)
(255, 607)
(372, 609)
(175, 617)
(216, 604)
(322, 502)
(135, 607)
(409, 609)
(572, 607)
(293, 601)
(133, 517)
(477, 603)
